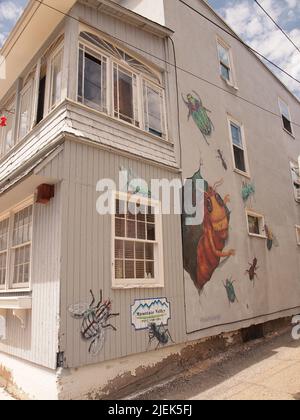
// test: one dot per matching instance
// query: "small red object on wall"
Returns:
(44, 193)
(3, 121)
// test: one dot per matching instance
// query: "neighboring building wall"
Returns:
(270, 148)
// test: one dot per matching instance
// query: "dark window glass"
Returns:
(41, 100)
(239, 158)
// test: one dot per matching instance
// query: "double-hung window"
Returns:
(137, 243)
(238, 146)
(286, 116)
(15, 247)
(225, 62)
(114, 82)
(25, 110)
(92, 79)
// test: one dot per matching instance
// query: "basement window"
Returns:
(256, 224)
(286, 116)
(137, 243)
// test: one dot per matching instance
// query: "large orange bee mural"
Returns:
(204, 245)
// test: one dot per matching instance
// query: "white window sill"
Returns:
(15, 302)
(125, 285)
(244, 174)
(289, 133)
(229, 83)
(254, 235)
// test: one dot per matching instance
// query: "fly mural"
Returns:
(204, 244)
(95, 321)
(230, 291)
(199, 114)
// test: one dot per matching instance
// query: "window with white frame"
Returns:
(286, 116)
(256, 224)
(7, 133)
(15, 247)
(25, 110)
(92, 79)
(295, 172)
(225, 62)
(238, 147)
(298, 235)
(55, 78)
(137, 243)
(113, 81)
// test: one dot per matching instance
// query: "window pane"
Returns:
(125, 95)
(119, 270)
(92, 88)
(25, 112)
(225, 72)
(21, 265)
(224, 55)
(56, 79)
(150, 269)
(284, 109)
(239, 158)
(153, 110)
(150, 232)
(140, 269)
(236, 135)
(22, 226)
(7, 134)
(254, 225)
(120, 228)
(3, 258)
(287, 125)
(4, 234)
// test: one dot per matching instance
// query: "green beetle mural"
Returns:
(230, 290)
(199, 114)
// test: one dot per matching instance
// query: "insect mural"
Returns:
(160, 334)
(248, 190)
(220, 156)
(252, 271)
(230, 290)
(203, 245)
(95, 319)
(199, 114)
(271, 238)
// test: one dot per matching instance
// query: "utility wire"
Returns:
(170, 64)
(239, 40)
(277, 25)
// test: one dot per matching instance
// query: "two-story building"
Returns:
(89, 302)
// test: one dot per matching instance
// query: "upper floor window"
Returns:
(286, 116)
(55, 75)
(226, 71)
(112, 81)
(25, 110)
(256, 224)
(238, 147)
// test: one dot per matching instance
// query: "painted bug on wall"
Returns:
(271, 238)
(199, 114)
(216, 227)
(220, 156)
(94, 321)
(252, 270)
(248, 190)
(230, 290)
(159, 333)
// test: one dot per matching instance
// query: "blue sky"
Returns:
(244, 17)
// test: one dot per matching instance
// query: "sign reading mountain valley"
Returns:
(150, 311)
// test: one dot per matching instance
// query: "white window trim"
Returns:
(232, 81)
(48, 93)
(8, 287)
(158, 281)
(298, 234)
(262, 224)
(111, 60)
(10, 105)
(29, 86)
(282, 102)
(230, 120)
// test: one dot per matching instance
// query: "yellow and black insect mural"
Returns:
(204, 244)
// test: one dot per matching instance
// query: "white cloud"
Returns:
(249, 21)
(9, 10)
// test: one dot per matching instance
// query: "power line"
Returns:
(240, 40)
(171, 64)
(277, 25)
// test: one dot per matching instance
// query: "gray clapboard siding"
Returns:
(38, 342)
(86, 250)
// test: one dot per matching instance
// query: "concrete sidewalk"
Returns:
(263, 370)
(4, 396)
